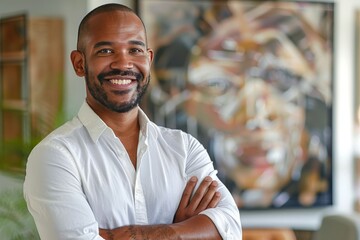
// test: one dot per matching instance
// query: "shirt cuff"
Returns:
(222, 224)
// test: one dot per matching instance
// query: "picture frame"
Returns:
(253, 82)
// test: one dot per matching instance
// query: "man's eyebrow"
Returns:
(136, 42)
(108, 43)
(101, 44)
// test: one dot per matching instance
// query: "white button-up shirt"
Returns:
(80, 178)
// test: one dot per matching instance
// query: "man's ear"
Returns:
(150, 54)
(77, 59)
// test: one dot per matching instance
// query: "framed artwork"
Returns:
(253, 82)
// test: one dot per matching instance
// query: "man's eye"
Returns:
(136, 50)
(105, 51)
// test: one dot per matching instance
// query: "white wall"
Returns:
(73, 11)
(94, 3)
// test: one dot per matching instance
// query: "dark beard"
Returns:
(100, 95)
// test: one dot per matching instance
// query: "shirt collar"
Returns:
(96, 126)
(91, 121)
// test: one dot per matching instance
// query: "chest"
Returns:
(120, 195)
(130, 142)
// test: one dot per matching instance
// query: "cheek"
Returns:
(94, 68)
(144, 66)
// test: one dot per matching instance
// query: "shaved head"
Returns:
(111, 7)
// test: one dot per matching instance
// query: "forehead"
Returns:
(113, 26)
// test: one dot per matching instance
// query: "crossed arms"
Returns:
(64, 199)
(187, 224)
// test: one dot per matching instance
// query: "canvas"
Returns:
(253, 81)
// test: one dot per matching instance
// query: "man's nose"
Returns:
(122, 61)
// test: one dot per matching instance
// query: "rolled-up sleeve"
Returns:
(225, 215)
(226, 218)
(54, 196)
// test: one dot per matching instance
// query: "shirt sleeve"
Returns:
(53, 192)
(225, 216)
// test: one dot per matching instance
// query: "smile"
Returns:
(120, 81)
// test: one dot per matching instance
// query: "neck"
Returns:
(123, 124)
(120, 123)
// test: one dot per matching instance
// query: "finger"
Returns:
(189, 188)
(208, 197)
(200, 193)
(215, 200)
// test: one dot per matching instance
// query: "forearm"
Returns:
(197, 227)
(139, 232)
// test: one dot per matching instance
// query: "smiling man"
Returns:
(111, 173)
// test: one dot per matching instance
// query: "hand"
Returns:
(206, 196)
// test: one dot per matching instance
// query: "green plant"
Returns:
(13, 154)
(16, 223)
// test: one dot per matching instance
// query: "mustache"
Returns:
(117, 72)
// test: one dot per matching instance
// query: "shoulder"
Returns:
(173, 137)
(66, 135)
(160, 131)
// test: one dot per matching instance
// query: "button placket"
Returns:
(140, 203)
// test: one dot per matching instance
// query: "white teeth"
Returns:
(120, 81)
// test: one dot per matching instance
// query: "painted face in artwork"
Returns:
(248, 86)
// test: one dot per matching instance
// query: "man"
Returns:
(110, 173)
